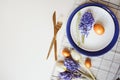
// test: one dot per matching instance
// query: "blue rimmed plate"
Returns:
(94, 45)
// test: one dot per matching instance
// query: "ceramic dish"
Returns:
(94, 44)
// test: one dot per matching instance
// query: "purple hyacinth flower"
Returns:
(66, 75)
(86, 23)
(71, 65)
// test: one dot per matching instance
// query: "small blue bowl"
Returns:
(106, 48)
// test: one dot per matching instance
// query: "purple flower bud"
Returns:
(86, 23)
(71, 65)
(66, 75)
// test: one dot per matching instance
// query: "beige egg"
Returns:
(99, 29)
(66, 52)
(88, 63)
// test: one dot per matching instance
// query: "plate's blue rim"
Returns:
(107, 48)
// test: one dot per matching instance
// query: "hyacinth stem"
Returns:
(90, 72)
(77, 25)
(83, 37)
(86, 75)
(92, 76)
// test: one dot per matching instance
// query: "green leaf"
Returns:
(77, 27)
(83, 38)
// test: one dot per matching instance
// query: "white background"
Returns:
(26, 31)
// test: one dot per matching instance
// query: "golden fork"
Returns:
(54, 41)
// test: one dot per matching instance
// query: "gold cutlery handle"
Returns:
(55, 49)
(51, 47)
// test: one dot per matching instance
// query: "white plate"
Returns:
(93, 43)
